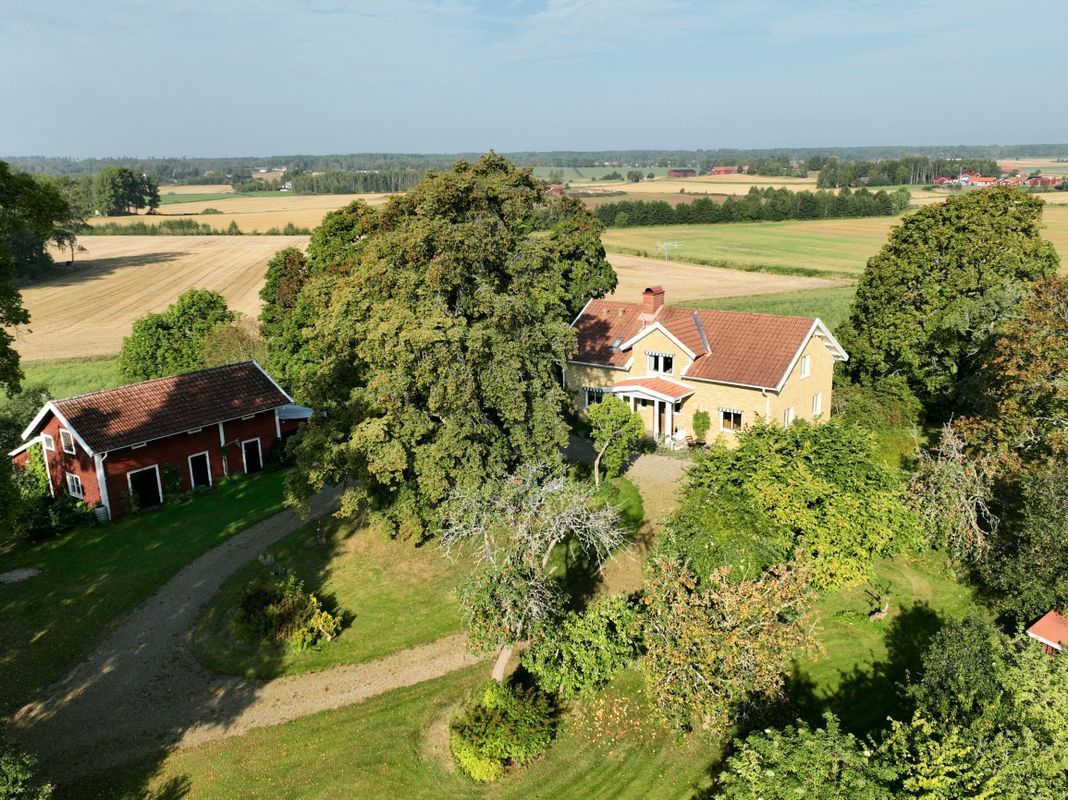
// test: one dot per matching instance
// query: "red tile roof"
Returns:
(151, 410)
(658, 385)
(1051, 628)
(730, 346)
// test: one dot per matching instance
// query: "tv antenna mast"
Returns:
(667, 247)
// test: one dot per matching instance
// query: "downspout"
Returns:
(222, 450)
(102, 481)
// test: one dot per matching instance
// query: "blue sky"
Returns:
(260, 77)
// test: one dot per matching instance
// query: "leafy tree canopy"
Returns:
(616, 432)
(817, 490)
(172, 342)
(432, 350)
(930, 301)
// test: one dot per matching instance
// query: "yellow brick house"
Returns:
(670, 362)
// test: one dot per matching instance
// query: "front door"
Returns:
(661, 418)
(253, 457)
(144, 487)
(199, 470)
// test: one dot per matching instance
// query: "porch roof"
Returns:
(1051, 629)
(660, 387)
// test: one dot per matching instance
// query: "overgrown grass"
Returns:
(396, 746)
(830, 305)
(66, 377)
(92, 576)
(392, 595)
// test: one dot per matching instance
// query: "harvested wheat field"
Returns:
(253, 213)
(686, 282)
(121, 278)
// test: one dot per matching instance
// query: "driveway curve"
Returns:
(142, 691)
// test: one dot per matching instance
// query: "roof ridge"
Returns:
(151, 380)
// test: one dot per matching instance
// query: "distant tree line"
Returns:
(194, 170)
(760, 204)
(898, 172)
(773, 166)
(339, 182)
(166, 227)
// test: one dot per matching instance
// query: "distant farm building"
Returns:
(115, 449)
(723, 170)
(684, 172)
(1052, 631)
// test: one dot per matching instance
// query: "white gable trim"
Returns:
(625, 368)
(574, 322)
(656, 326)
(25, 446)
(50, 406)
(1045, 641)
(837, 351)
(635, 389)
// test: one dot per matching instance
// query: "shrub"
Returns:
(17, 780)
(211, 211)
(172, 483)
(504, 726)
(701, 424)
(280, 610)
(586, 650)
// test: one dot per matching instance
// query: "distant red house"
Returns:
(110, 447)
(684, 172)
(555, 191)
(941, 181)
(1052, 631)
(723, 170)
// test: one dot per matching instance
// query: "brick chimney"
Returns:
(652, 301)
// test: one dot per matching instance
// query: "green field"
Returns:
(830, 247)
(830, 305)
(92, 576)
(67, 377)
(173, 199)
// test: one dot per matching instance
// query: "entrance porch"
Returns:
(659, 401)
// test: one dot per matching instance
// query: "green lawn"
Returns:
(393, 595)
(861, 661)
(830, 305)
(91, 576)
(66, 377)
(396, 746)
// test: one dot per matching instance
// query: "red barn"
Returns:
(723, 170)
(682, 173)
(110, 447)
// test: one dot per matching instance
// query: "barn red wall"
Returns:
(175, 450)
(80, 463)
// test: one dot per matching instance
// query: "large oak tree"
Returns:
(431, 332)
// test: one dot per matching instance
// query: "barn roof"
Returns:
(141, 412)
(733, 347)
(1051, 629)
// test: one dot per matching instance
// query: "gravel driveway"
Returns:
(142, 690)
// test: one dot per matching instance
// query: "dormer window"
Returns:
(660, 363)
(618, 341)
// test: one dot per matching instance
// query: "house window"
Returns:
(660, 363)
(806, 366)
(48, 442)
(788, 416)
(678, 406)
(730, 419)
(645, 402)
(817, 405)
(67, 441)
(593, 395)
(74, 486)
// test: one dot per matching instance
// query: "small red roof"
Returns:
(141, 412)
(1051, 629)
(676, 391)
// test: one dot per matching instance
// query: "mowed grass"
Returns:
(67, 377)
(392, 594)
(396, 746)
(91, 576)
(830, 305)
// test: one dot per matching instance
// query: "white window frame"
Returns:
(588, 390)
(159, 483)
(741, 418)
(806, 365)
(64, 439)
(788, 417)
(817, 405)
(259, 446)
(72, 482)
(654, 363)
(48, 442)
(207, 456)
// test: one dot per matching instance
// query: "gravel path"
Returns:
(142, 690)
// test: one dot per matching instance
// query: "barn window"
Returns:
(67, 441)
(250, 416)
(74, 486)
(730, 419)
(48, 442)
